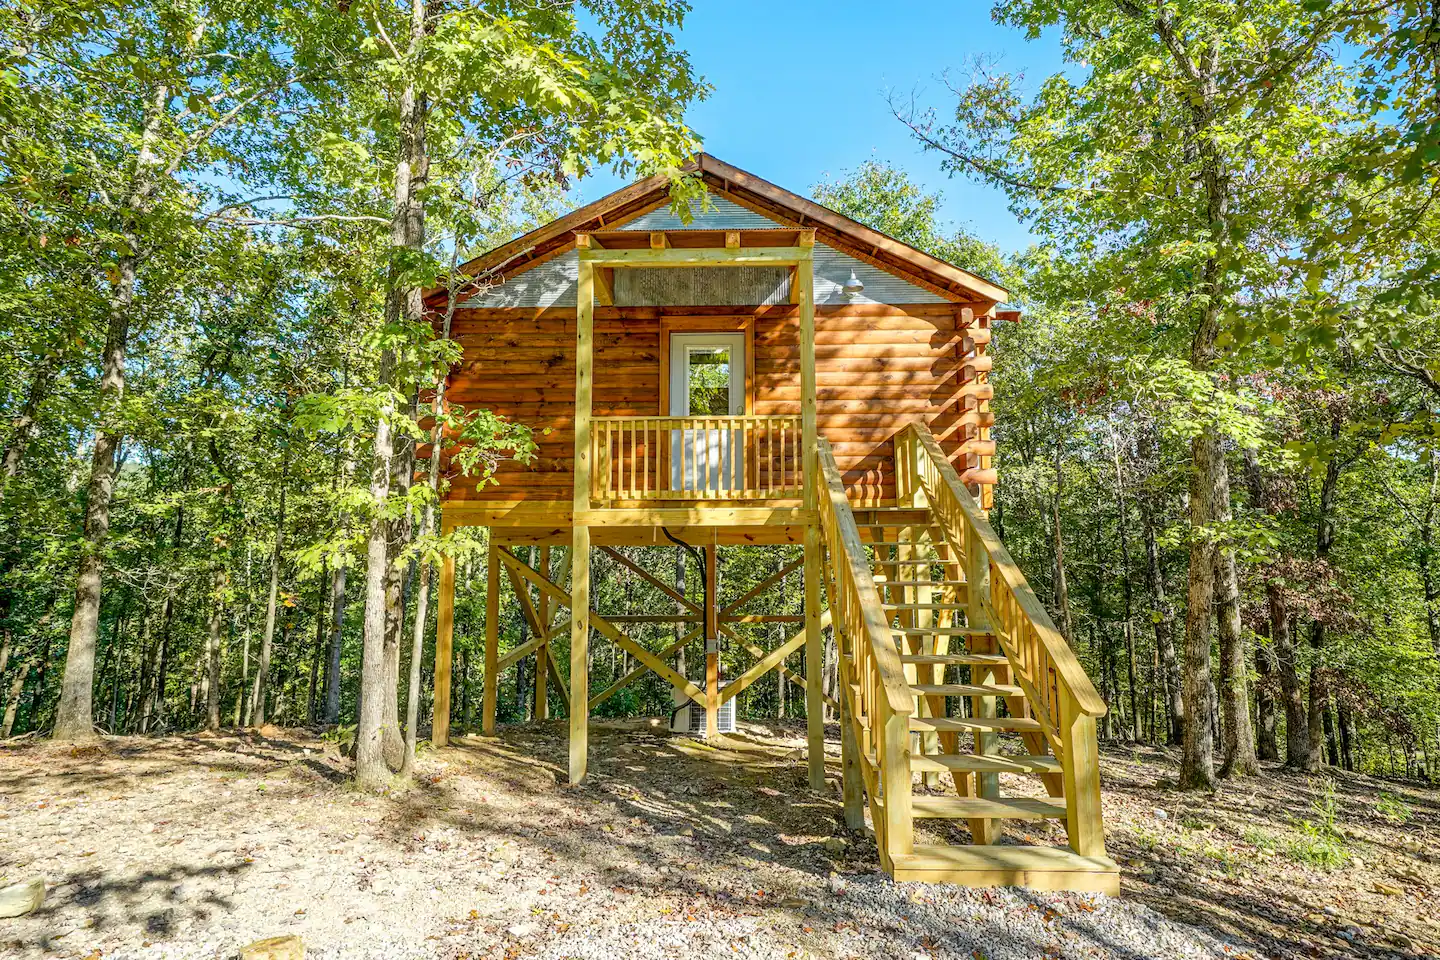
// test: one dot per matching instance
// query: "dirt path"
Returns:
(193, 846)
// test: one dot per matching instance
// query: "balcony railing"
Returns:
(696, 458)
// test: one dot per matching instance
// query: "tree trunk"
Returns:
(242, 692)
(74, 718)
(1197, 762)
(404, 300)
(1346, 723)
(337, 639)
(1128, 595)
(213, 650)
(1062, 591)
(403, 469)
(417, 654)
(162, 649)
(311, 699)
(25, 425)
(12, 700)
(1239, 734)
(1269, 747)
(1324, 540)
(260, 691)
(1282, 636)
(1429, 579)
(1163, 617)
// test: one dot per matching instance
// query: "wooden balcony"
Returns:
(735, 459)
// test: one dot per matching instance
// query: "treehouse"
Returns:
(770, 373)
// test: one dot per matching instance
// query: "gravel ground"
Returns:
(193, 846)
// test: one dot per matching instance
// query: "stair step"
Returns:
(883, 582)
(939, 632)
(1004, 865)
(924, 606)
(963, 659)
(923, 510)
(987, 808)
(989, 763)
(967, 689)
(974, 724)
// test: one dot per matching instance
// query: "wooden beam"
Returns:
(604, 627)
(522, 595)
(698, 257)
(768, 662)
(658, 240)
(542, 688)
(696, 516)
(444, 647)
(763, 585)
(712, 643)
(759, 653)
(624, 642)
(637, 672)
(732, 239)
(555, 671)
(530, 646)
(492, 640)
(651, 579)
(814, 662)
(605, 286)
(579, 599)
(805, 284)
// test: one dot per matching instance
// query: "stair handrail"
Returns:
(933, 465)
(885, 699)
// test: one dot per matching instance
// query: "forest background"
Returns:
(1216, 421)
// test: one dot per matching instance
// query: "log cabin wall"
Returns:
(878, 367)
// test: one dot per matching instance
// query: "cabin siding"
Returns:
(877, 368)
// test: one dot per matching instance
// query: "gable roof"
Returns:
(758, 195)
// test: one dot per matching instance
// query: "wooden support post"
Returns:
(712, 643)
(444, 647)
(579, 653)
(805, 285)
(977, 588)
(851, 779)
(814, 662)
(899, 831)
(542, 687)
(492, 638)
(580, 504)
(1080, 768)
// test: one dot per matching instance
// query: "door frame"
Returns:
(729, 324)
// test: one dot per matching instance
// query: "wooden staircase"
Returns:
(961, 701)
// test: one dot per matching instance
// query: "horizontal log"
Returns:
(978, 476)
(771, 353)
(977, 391)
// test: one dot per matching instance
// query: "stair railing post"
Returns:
(977, 587)
(1081, 772)
(851, 786)
(895, 777)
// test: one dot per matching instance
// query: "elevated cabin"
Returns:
(771, 372)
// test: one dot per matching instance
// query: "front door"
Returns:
(707, 379)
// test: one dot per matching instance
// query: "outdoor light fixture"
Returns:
(853, 287)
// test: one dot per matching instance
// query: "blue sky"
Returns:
(800, 90)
